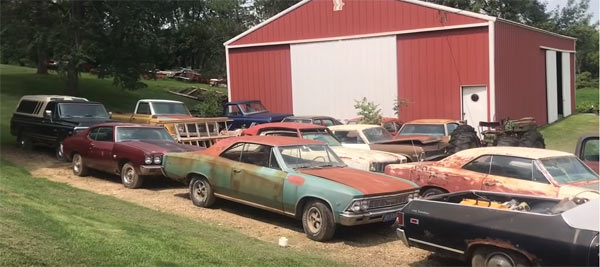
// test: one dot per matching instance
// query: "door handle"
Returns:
(490, 183)
(236, 171)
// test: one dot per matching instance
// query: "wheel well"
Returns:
(304, 200)
(188, 178)
(472, 248)
(427, 187)
(122, 162)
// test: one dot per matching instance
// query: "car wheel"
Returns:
(317, 221)
(432, 192)
(60, 155)
(498, 257)
(201, 192)
(24, 142)
(130, 177)
(78, 166)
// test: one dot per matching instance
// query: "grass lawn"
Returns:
(590, 95)
(17, 81)
(45, 223)
(563, 135)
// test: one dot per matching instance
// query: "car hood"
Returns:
(408, 139)
(160, 146)
(274, 117)
(366, 182)
(364, 155)
(586, 190)
(86, 122)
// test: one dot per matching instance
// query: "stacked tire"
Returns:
(463, 137)
(531, 138)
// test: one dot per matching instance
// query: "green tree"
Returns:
(369, 112)
(268, 8)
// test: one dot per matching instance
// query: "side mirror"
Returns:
(48, 114)
(110, 114)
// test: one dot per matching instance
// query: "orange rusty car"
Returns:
(519, 170)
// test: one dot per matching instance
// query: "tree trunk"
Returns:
(72, 80)
(42, 41)
(42, 60)
(73, 65)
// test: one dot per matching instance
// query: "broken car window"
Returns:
(513, 167)
(256, 154)
(565, 170)
(234, 152)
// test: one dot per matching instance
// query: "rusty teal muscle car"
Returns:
(296, 177)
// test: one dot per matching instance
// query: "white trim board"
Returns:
(359, 36)
(492, 75)
(556, 49)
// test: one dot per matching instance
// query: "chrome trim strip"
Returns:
(436, 245)
(400, 233)
(241, 201)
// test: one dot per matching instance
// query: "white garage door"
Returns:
(328, 76)
(551, 86)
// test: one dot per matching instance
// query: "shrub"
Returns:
(585, 80)
(211, 105)
(369, 112)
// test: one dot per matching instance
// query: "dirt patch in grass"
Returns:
(367, 245)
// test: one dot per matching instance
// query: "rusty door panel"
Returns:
(518, 186)
(258, 184)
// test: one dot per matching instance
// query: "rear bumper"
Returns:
(350, 219)
(151, 170)
(400, 233)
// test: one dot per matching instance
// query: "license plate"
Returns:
(389, 217)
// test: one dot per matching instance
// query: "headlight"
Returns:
(413, 195)
(373, 168)
(157, 160)
(148, 160)
(359, 205)
(364, 205)
(355, 206)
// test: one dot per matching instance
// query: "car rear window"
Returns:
(423, 129)
(28, 106)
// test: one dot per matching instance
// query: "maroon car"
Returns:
(131, 150)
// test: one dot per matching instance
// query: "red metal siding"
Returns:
(433, 66)
(316, 19)
(262, 73)
(520, 68)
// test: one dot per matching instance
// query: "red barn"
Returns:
(318, 56)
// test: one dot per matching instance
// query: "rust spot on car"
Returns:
(297, 180)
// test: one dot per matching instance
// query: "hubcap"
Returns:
(200, 191)
(60, 151)
(499, 260)
(77, 163)
(128, 175)
(314, 220)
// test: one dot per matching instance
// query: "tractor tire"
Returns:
(463, 137)
(532, 138)
(508, 140)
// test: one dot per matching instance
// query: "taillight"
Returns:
(400, 219)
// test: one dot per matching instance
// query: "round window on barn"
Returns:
(474, 97)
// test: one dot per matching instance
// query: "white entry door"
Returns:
(551, 86)
(474, 105)
(566, 83)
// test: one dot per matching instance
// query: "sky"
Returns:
(594, 6)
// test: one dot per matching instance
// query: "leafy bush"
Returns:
(399, 104)
(211, 105)
(369, 112)
(585, 80)
(586, 107)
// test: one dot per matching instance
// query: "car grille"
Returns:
(384, 202)
(380, 166)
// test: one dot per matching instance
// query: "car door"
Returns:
(100, 149)
(470, 176)
(142, 113)
(517, 175)
(351, 139)
(257, 177)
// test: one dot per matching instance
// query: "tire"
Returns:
(463, 137)
(129, 176)
(24, 142)
(432, 192)
(493, 256)
(507, 140)
(532, 138)
(78, 166)
(60, 156)
(317, 221)
(201, 192)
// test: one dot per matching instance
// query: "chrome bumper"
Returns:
(350, 219)
(151, 170)
(400, 233)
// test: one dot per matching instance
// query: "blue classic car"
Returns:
(250, 112)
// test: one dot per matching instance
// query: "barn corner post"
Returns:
(492, 69)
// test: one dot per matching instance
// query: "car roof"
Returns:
(525, 152)
(304, 117)
(224, 144)
(159, 100)
(53, 98)
(352, 127)
(242, 101)
(434, 121)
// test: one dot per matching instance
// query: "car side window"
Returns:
(143, 108)
(256, 154)
(93, 133)
(288, 134)
(538, 176)
(234, 152)
(512, 167)
(590, 150)
(317, 122)
(328, 123)
(451, 127)
(349, 137)
(27, 106)
(105, 134)
(233, 110)
(273, 164)
(390, 126)
(480, 165)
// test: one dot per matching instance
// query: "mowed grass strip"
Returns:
(17, 81)
(49, 223)
(563, 135)
(587, 95)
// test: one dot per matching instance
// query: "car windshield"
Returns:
(81, 110)
(125, 134)
(252, 108)
(566, 170)
(309, 156)
(377, 134)
(322, 136)
(169, 108)
(423, 129)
